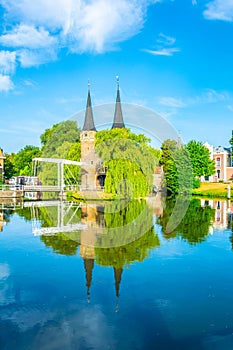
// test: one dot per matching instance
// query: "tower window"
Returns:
(85, 134)
(218, 161)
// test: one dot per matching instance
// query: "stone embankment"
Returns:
(11, 194)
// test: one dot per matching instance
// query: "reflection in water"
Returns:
(166, 302)
(194, 227)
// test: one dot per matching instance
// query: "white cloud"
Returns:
(28, 37)
(163, 52)
(7, 62)
(31, 58)
(171, 102)
(164, 46)
(219, 10)
(209, 96)
(205, 97)
(230, 107)
(94, 25)
(5, 83)
(165, 39)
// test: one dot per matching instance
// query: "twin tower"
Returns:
(93, 172)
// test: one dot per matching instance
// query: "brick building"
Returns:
(223, 163)
(93, 172)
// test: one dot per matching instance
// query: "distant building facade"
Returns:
(223, 164)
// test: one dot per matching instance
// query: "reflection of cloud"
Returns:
(4, 271)
(6, 293)
(68, 328)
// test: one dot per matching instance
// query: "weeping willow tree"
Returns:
(129, 234)
(130, 162)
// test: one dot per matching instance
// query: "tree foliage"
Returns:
(177, 168)
(200, 157)
(129, 160)
(57, 140)
(61, 141)
(23, 160)
(9, 169)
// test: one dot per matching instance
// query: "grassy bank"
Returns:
(213, 190)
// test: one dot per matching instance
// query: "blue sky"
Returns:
(174, 57)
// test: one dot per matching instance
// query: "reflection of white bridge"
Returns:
(64, 218)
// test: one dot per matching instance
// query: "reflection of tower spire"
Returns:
(118, 116)
(88, 265)
(117, 277)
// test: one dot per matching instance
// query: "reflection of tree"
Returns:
(130, 240)
(61, 244)
(195, 225)
(25, 213)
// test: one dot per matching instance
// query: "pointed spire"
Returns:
(89, 121)
(88, 265)
(118, 116)
(117, 277)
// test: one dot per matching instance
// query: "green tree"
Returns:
(23, 160)
(53, 139)
(9, 169)
(200, 157)
(60, 141)
(177, 168)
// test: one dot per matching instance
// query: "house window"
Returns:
(218, 161)
(207, 178)
(91, 162)
(218, 174)
(85, 135)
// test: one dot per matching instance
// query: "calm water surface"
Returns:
(67, 282)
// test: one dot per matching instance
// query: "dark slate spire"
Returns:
(118, 117)
(88, 265)
(89, 121)
(117, 277)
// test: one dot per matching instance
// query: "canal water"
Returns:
(111, 276)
